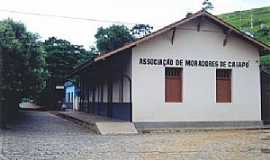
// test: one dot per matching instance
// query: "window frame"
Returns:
(174, 75)
(226, 77)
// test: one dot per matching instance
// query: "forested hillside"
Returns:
(255, 22)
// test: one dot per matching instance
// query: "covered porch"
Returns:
(105, 88)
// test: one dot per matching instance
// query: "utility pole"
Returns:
(251, 21)
(240, 21)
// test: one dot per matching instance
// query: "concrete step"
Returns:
(115, 128)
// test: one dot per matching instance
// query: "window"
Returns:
(223, 85)
(173, 84)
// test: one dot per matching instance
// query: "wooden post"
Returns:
(173, 35)
(227, 34)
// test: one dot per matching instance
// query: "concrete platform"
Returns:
(114, 128)
(100, 125)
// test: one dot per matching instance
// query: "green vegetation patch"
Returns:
(255, 22)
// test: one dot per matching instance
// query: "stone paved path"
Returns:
(43, 136)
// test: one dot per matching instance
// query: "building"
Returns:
(71, 95)
(197, 71)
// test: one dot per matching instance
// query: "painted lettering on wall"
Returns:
(193, 63)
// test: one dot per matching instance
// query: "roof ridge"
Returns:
(168, 28)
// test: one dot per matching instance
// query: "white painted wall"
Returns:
(96, 93)
(76, 103)
(71, 89)
(199, 83)
(126, 81)
(90, 95)
(116, 89)
(126, 91)
(105, 92)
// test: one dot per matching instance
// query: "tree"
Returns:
(23, 64)
(189, 14)
(61, 58)
(263, 33)
(140, 30)
(115, 36)
(207, 5)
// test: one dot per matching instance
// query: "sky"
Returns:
(157, 13)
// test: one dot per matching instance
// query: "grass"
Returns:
(252, 21)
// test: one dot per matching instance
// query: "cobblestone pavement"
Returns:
(43, 136)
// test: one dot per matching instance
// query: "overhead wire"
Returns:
(68, 17)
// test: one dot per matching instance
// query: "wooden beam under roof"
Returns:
(227, 34)
(173, 35)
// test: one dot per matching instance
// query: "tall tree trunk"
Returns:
(2, 107)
